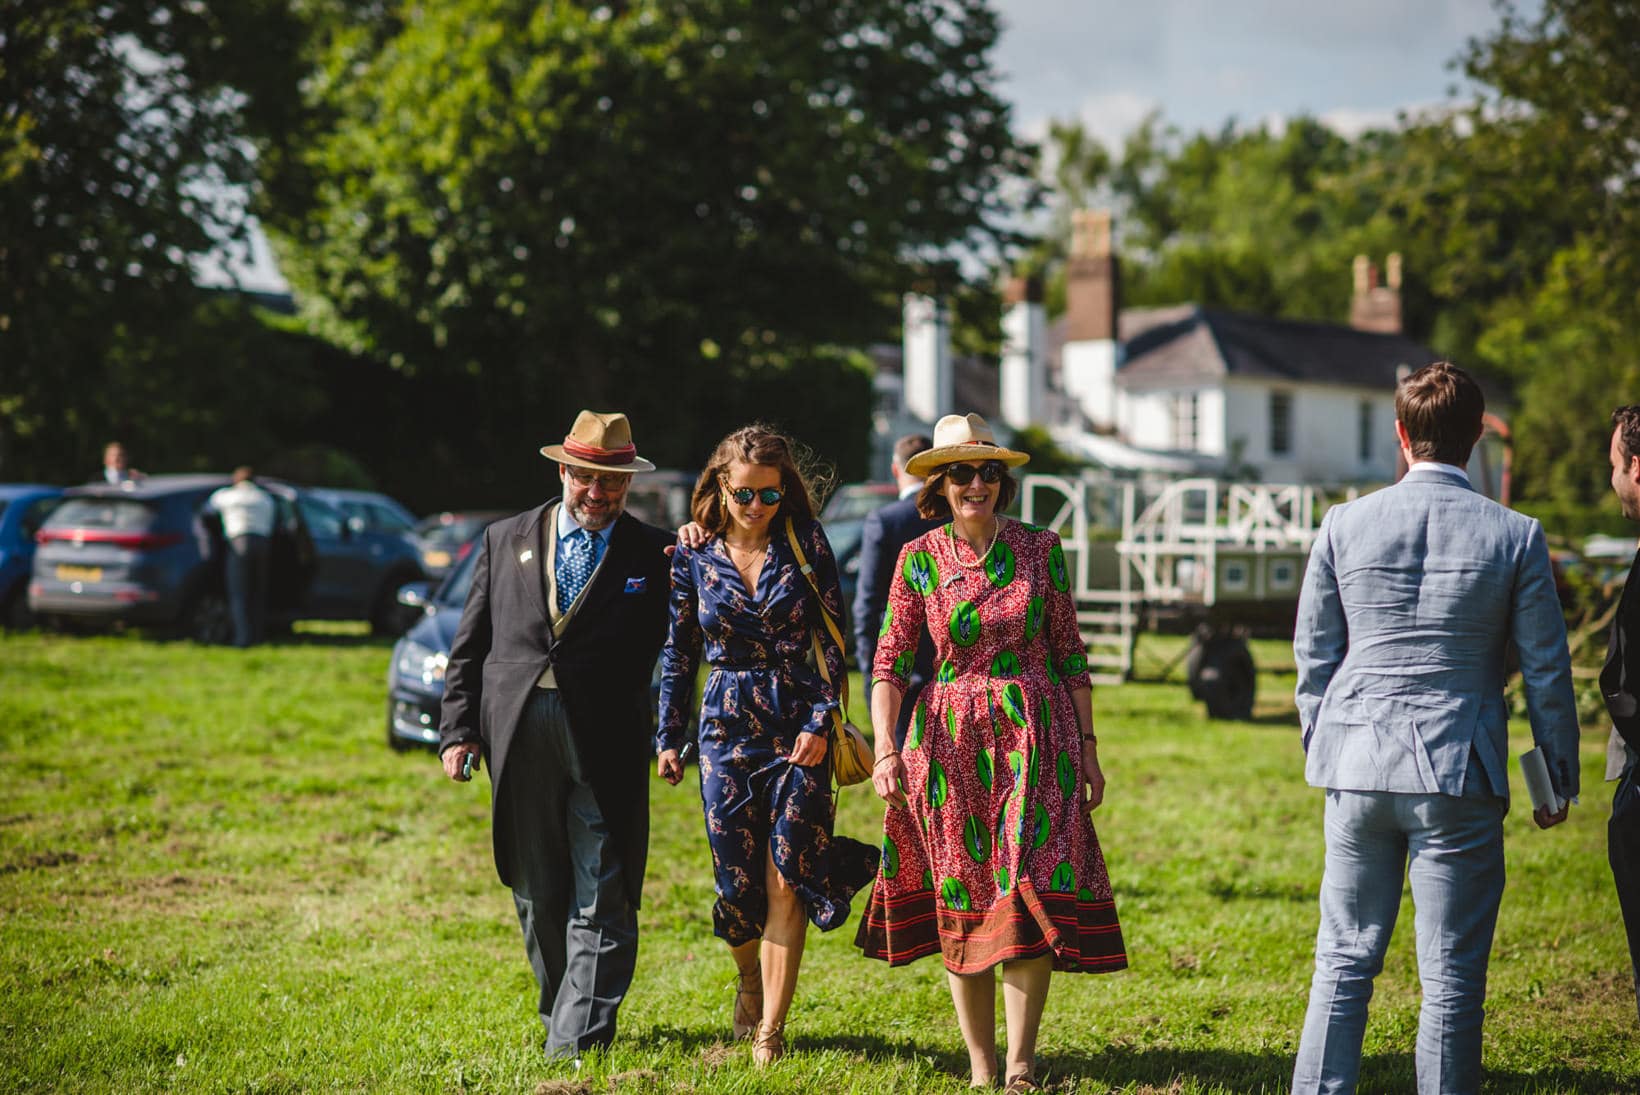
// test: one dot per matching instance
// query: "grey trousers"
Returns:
(580, 931)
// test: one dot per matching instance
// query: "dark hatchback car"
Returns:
(150, 553)
(844, 519)
(23, 509)
(445, 538)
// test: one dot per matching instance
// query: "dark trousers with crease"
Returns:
(580, 930)
(1623, 852)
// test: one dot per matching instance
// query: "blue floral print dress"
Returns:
(760, 694)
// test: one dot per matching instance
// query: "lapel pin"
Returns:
(951, 580)
(527, 555)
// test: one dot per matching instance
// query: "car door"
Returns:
(341, 584)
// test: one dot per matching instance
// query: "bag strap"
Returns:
(825, 614)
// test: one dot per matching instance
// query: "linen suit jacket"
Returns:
(886, 531)
(1412, 598)
(1620, 678)
(602, 663)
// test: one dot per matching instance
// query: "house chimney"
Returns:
(1093, 287)
(1091, 354)
(1024, 353)
(929, 384)
(1377, 307)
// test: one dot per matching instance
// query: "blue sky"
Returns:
(1202, 62)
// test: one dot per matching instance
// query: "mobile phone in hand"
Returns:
(469, 765)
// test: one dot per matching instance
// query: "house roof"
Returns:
(1189, 344)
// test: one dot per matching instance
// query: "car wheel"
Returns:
(207, 620)
(17, 616)
(394, 742)
(388, 618)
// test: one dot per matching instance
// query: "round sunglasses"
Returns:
(963, 474)
(769, 496)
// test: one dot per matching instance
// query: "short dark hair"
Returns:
(1440, 407)
(1626, 421)
(910, 445)
(931, 501)
(754, 444)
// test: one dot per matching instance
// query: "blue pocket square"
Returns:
(636, 585)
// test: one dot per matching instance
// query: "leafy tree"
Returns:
(122, 128)
(674, 208)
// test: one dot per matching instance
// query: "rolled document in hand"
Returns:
(1538, 785)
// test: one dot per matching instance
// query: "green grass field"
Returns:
(215, 876)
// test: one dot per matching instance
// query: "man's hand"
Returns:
(693, 536)
(1546, 820)
(669, 766)
(453, 757)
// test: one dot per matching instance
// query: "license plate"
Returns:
(437, 558)
(79, 574)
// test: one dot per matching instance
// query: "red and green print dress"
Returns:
(993, 859)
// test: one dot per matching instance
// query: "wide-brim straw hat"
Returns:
(960, 437)
(601, 442)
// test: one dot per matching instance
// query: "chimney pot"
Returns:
(1363, 271)
(1392, 270)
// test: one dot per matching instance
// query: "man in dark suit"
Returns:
(548, 678)
(1620, 685)
(886, 532)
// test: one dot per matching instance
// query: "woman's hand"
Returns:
(809, 750)
(669, 766)
(888, 779)
(1092, 777)
(693, 536)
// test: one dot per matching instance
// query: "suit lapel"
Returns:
(527, 546)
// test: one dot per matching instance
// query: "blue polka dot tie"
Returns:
(576, 563)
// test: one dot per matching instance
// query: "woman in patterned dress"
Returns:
(989, 854)
(764, 773)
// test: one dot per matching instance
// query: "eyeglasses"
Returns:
(610, 481)
(769, 496)
(963, 474)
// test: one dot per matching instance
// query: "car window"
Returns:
(112, 514)
(36, 515)
(322, 521)
(454, 590)
(386, 520)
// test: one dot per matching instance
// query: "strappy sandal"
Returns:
(770, 1044)
(1021, 1083)
(745, 1020)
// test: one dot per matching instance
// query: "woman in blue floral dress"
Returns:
(764, 770)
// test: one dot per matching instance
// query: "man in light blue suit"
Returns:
(1413, 598)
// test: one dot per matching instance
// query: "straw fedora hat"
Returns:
(601, 442)
(963, 437)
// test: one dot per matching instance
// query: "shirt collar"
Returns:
(908, 492)
(568, 525)
(1435, 467)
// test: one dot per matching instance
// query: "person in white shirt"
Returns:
(248, 515)
(117, 467)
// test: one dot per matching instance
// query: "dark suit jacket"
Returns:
(603, 665)
(1620, 676)
(886, 532)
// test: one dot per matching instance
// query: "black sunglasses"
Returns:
(743, 496)
(963, 474)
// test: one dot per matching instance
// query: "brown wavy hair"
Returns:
(768, 447)
(1440, 406)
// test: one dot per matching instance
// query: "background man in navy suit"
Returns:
(886, 532)
(549, 678)
(1620, 686)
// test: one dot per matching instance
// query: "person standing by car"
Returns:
(117, 467)
(886, 531)
(548, 677)
(248, 514)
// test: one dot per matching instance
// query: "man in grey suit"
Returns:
(548, 681)
(1413, 597)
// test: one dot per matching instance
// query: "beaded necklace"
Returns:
(951, 531)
